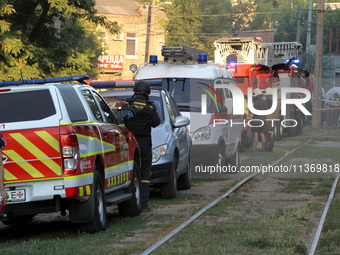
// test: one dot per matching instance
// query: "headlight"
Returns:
(158, 152)
(202, 134)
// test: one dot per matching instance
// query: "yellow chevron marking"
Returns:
(81, 191)
(115, 180)
(108, 183)
(49, 139)
(88, 190)
(24, 164)
(37, 152)
(9, 176)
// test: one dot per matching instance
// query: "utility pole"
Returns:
(309, 25)
(316, 122)
(298, 24)
(147, 41)
(152, 30)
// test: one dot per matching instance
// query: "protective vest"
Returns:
(141, 126)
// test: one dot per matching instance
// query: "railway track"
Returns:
(312, 249)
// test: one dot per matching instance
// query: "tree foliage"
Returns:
(31, 44)
(199, 23)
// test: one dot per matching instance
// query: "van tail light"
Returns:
(70, 153)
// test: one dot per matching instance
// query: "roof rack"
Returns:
(183, 53)
(79, 78)
(120, 84)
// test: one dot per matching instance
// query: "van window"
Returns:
(188, 94)
(26, 106)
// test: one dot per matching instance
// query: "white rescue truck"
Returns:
(199, 89)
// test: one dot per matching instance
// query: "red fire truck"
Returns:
(257, 64)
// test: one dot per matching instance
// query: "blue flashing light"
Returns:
(48, 80)
(286, 61)
(296, 61)
(153, 59)
(232, 64)
(203, 59)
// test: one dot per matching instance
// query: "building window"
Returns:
(131, 45)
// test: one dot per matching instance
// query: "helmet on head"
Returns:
(257, 92)
(269, 91)
(142, 86)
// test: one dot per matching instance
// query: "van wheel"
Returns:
(234, 161)
(184, 181)
(133, 206)
(169, 190)
(100, 218)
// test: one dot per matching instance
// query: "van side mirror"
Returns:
(224, 110)
(126, 114)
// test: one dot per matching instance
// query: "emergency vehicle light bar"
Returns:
(121, 84)
(78, 78)
(183, 53)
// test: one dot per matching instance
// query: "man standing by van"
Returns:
(146, 117)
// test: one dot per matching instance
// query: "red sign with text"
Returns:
(110, 62)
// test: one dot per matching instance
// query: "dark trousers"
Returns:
(146, 161)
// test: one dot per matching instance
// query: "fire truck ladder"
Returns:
(252, 51)
(182, 54)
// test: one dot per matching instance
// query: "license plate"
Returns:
(16, 195)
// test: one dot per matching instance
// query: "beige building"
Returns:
(141, 36)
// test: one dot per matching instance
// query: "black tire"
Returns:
(234, 162)
(133, 206)
(169, 190)
(100, 217)
(184, 181)
(22, 219)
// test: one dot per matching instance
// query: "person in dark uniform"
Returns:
(259, 129)
(146, 117)
(3, 192)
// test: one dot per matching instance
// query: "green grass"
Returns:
(329, 242)
(274, 233)
(315, 187)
